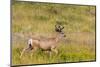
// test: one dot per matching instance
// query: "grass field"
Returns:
(40, 19)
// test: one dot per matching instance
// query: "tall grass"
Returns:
(67, 53)
(75, 18)
(40, 18)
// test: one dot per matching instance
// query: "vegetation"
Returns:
(40, 18)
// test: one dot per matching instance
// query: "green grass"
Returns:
(40, 18)
(33, 15)
(67, 53)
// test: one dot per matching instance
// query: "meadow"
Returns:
(33, 18)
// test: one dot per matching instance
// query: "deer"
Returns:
(46, 44)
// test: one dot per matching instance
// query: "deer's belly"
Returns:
(46, 46)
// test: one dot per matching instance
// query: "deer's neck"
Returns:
(57, 39)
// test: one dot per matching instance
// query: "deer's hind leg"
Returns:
(29, 48)
(33, 50)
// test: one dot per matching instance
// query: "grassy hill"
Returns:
(75, 18)
(40, 18)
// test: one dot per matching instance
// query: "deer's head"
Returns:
(59, 29)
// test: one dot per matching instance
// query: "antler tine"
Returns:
(55, 26)
(62, 27)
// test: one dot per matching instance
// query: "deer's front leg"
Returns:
(54, 50)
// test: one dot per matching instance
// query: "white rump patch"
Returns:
(30, 41)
